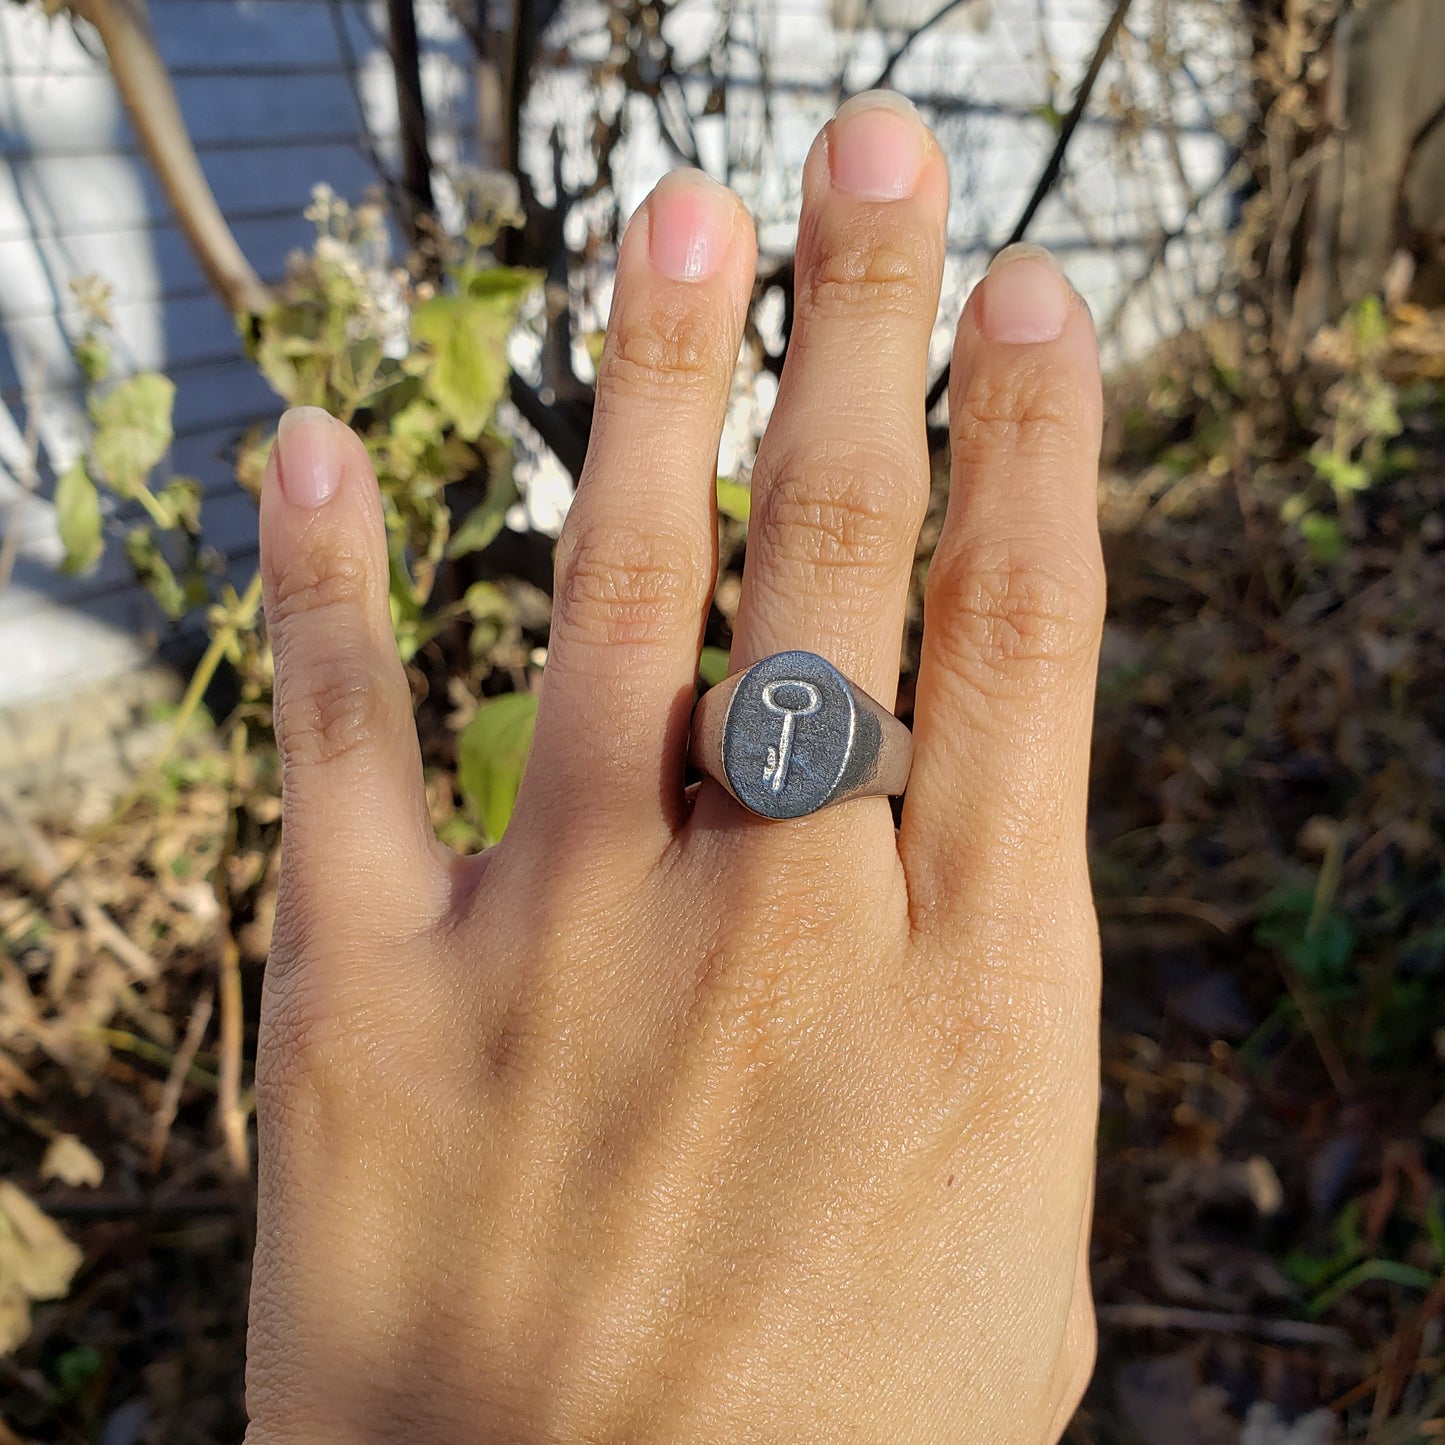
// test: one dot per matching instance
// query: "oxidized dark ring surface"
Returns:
(792, 734)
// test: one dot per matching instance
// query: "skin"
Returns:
(657, 1121)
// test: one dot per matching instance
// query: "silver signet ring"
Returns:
(791, 735)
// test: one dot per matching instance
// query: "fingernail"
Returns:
(876, 146)
(308, 456)
(690, 222)
(1025, 296)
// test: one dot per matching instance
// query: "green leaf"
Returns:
(77, 512)
(491, 756)
(485, 521)
(408, 622)
(282, 336)
(1293, 508)
(1372, 1271)
(180, 500)
(1326, 540)
(410, 436)
(484, 600)
(1321, 955)
(1342, 472)
(155, 574)
(76, 1368)
(467, 335)
(1051, 116)
(1435, 1225)
(511, 284)
(1382, 416)
(132, 429)
(733, 499)
(1314, 1271)
(92, 355)
(712, 666)
(1371, 325)
(1324, 956)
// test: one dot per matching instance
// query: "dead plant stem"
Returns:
(195, 690)
(170, 1100)
(228, 1102)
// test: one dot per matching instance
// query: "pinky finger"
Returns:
(356, 833)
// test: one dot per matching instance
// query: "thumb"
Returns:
(356, 836)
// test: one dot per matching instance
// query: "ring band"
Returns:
(791, 734)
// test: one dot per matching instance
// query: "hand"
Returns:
(659, 1122)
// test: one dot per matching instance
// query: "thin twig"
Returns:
(350, 68)
(1405, 1356)
(1324, 1040)
(146, 91)
(67, 891)
(176, 1079)
(228, 1101)
(1055, 164)
(885, 76)
(474, 31)
(201, 678)
(1050, 173)
(401, 43)
(1216, 918)
(1166, 1317)
(153, 1053)
(1166, 238)
(27, 475)
(114, 1206)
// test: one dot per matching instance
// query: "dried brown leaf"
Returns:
(37, 1262)
(34, 1252)
(68, 1160)
(14, 1318)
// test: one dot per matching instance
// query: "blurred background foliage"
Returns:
(1268, 822)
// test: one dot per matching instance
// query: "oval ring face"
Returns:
(791, 728)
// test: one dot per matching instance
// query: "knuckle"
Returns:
(327, 703)
(629, 584)
(850, 511)
(324, 1042)
(872, 271)
(320, 581)
(1017, 409)
(305, 1074)
(657, 351)
(297, 1030)
(1015, 606)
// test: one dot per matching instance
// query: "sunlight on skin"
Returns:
(658, 1121)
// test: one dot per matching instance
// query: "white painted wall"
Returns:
(264, 87)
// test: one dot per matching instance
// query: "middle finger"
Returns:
(841, 479)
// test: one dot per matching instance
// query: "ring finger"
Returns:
(841, 479)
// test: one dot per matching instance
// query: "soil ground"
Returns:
(1268, 844)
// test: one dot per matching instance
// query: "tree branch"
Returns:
(1055, 164)
(885, 76)
(150, 100)
(411, 109)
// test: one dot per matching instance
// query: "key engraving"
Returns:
(788, 734)
(775, 769)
